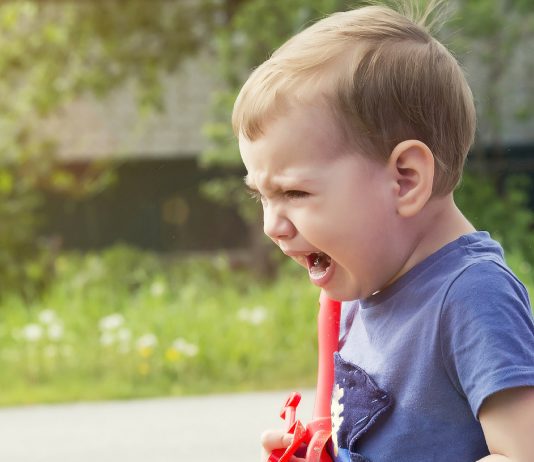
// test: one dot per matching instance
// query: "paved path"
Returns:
(222, 428)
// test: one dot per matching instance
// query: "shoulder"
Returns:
(487, 332)
(486, 285)
(485, 299)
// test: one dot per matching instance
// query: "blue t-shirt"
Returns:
(417, 360)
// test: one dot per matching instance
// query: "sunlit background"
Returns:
(131, 261)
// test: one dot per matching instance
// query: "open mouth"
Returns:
(318, 264)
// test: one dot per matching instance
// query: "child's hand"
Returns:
(276, 439)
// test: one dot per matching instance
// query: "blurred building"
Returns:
(504, 97)
(155, 202)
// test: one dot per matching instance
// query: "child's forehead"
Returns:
(299, 124)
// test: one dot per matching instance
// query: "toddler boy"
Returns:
(354, 136)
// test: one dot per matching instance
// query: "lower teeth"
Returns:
(319, 268)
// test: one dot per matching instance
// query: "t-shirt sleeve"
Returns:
(487, 333)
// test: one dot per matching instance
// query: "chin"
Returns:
(342, 294)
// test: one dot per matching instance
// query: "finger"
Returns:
(275, 439)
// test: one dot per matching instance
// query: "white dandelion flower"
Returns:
(47, 316)
(146, 341)
(32, 332)
(111, 322)
(254, 316)
(158, 288)
(184, 347)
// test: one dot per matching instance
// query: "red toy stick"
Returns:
(317, 433)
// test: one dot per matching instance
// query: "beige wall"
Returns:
(92, 128)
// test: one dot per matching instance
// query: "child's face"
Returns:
(332, 212)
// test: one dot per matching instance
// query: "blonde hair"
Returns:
(383, 77)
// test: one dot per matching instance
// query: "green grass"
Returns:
(122, 324)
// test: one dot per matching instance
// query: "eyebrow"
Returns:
(303, 183)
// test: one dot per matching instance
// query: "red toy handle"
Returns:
(318, 432)
(328, 337)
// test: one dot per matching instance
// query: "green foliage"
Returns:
(57, 51)
(484, 18)
(16, 233)
(506, 215)
(51, 53)
(123, 323)
(492, 32)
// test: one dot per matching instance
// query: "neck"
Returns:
(440, 223)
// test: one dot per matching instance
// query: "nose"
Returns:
(276, 225)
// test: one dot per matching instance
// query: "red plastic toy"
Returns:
(315, 436)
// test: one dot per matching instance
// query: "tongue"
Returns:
(318, 264)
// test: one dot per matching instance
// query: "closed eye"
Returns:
(294, 194)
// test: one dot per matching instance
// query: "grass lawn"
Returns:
(122, 324)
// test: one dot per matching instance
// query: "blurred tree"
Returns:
(494, 32)
(50, 53)
(505, 214)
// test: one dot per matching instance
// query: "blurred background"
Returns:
(132, 263)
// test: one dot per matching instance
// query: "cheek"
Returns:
(359, 230)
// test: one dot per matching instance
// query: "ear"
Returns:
(412, 165)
